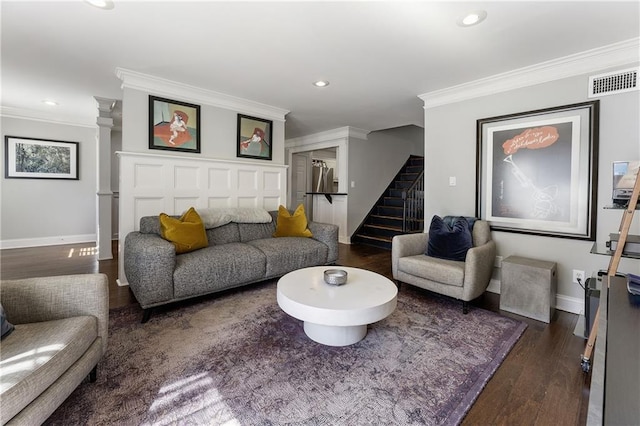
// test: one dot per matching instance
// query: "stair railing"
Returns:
(413, 206)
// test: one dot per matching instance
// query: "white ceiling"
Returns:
(379, 56)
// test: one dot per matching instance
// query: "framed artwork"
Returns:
(254, 137)
(537, 171)
(173, 125)
(30, 158)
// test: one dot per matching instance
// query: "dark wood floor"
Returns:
(539, 383)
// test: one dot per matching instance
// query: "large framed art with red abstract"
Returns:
(536, 171)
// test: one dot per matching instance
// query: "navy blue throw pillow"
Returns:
(449, 242)
(5, 326)
(450, 220)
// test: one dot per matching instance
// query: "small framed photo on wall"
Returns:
(254, 137)
(173, 125)
(30, 158)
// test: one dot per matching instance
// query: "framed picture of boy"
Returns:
(254, 137)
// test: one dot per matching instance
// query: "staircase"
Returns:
(385, 220)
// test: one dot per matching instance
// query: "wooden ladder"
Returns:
(625, 225)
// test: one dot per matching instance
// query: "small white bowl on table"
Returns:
(336, 315)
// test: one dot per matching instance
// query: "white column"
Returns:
(104, 194)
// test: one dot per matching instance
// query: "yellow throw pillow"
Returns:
(292, 226)
(187, 233)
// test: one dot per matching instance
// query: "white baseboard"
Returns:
(494, 286)
(48, 241)
(574, 305)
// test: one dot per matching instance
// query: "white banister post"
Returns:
(104, 194)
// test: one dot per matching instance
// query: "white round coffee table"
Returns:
(336, 315)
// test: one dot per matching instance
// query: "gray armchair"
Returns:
(61, 329)
(464, 281)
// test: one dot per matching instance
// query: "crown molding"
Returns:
(46, 117)
(161, 86)
(105, 105)
(614, 55)
(105, 122)
(328, 135)
(169, 157)
(357, 133)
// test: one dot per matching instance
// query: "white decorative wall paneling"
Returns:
(151, 184)
(334, 212)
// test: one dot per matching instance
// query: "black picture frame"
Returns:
(537, 171)
(174, 125)
(255, 137)
(34, 158)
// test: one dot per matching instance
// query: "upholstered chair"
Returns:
(54, 334)
(464, 280)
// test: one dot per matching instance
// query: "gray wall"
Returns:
(44, 210)
(218, 130)
(450, 150)
(373, 163)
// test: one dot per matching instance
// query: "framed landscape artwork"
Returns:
(536, 171)
(254, 137)
(30, 158)
(173, 125)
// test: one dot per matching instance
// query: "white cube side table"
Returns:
(528, 287)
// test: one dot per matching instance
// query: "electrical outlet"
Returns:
(578, 275)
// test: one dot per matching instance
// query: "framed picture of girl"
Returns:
(174, 125)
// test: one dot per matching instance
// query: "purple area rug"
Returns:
(239, 360)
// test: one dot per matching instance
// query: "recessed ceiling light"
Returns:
(472, 18)
(102, 4)
(321, 83)
(49, 102)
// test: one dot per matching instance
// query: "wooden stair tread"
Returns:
(381, 216)
(371, 237)
(387, 227)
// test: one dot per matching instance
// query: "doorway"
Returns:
(300, 183)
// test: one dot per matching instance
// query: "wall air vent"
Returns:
(613, 82)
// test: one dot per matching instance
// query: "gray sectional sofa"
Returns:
(238, 254)
(61, 328)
